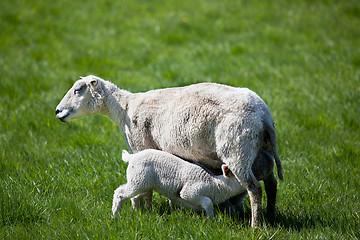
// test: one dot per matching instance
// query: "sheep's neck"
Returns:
(115, 102)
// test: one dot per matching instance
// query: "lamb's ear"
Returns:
(226, 171)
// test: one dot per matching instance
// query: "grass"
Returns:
(301, 57)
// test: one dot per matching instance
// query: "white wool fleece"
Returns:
(185, 183)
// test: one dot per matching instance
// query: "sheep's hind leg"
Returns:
(271, 188)
(254, 190)
(241, 168)
(255, 194)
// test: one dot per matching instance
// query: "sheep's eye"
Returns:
(79, 89)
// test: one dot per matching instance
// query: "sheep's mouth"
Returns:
(63, 119)
(62, 116)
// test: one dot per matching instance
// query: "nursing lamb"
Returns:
(207, 122)
(185, 183)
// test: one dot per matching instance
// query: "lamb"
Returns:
(184, 183)
(207, 123)
(263, 170)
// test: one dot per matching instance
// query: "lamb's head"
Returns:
(84, 98)
(231, 180)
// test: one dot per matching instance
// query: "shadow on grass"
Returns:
(290, 222)
(298, 223)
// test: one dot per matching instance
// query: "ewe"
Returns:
(184, 183)
(207, 123)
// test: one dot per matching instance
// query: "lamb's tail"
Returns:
(125, 156)
(270, 129)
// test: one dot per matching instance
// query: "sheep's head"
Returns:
(84, 98)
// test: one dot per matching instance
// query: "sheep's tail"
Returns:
(270, 129)
(125, 156)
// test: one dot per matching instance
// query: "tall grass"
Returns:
(301, 57)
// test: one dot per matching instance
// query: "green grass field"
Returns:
(301, 57)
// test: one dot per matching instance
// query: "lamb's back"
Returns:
(163, 172)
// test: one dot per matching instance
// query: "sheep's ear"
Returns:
(94, 82)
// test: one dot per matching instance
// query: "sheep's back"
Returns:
(184, 120)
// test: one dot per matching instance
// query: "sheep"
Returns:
(207, 123)
(263, 170)
(182, 182)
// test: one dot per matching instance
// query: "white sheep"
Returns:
(207, 123)
(184, 183)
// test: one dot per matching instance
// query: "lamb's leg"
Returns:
(238, 203)
(137, 201)
(203, 201)
(190, 195)
(148, 199)
(207, 205)
(227, 207)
